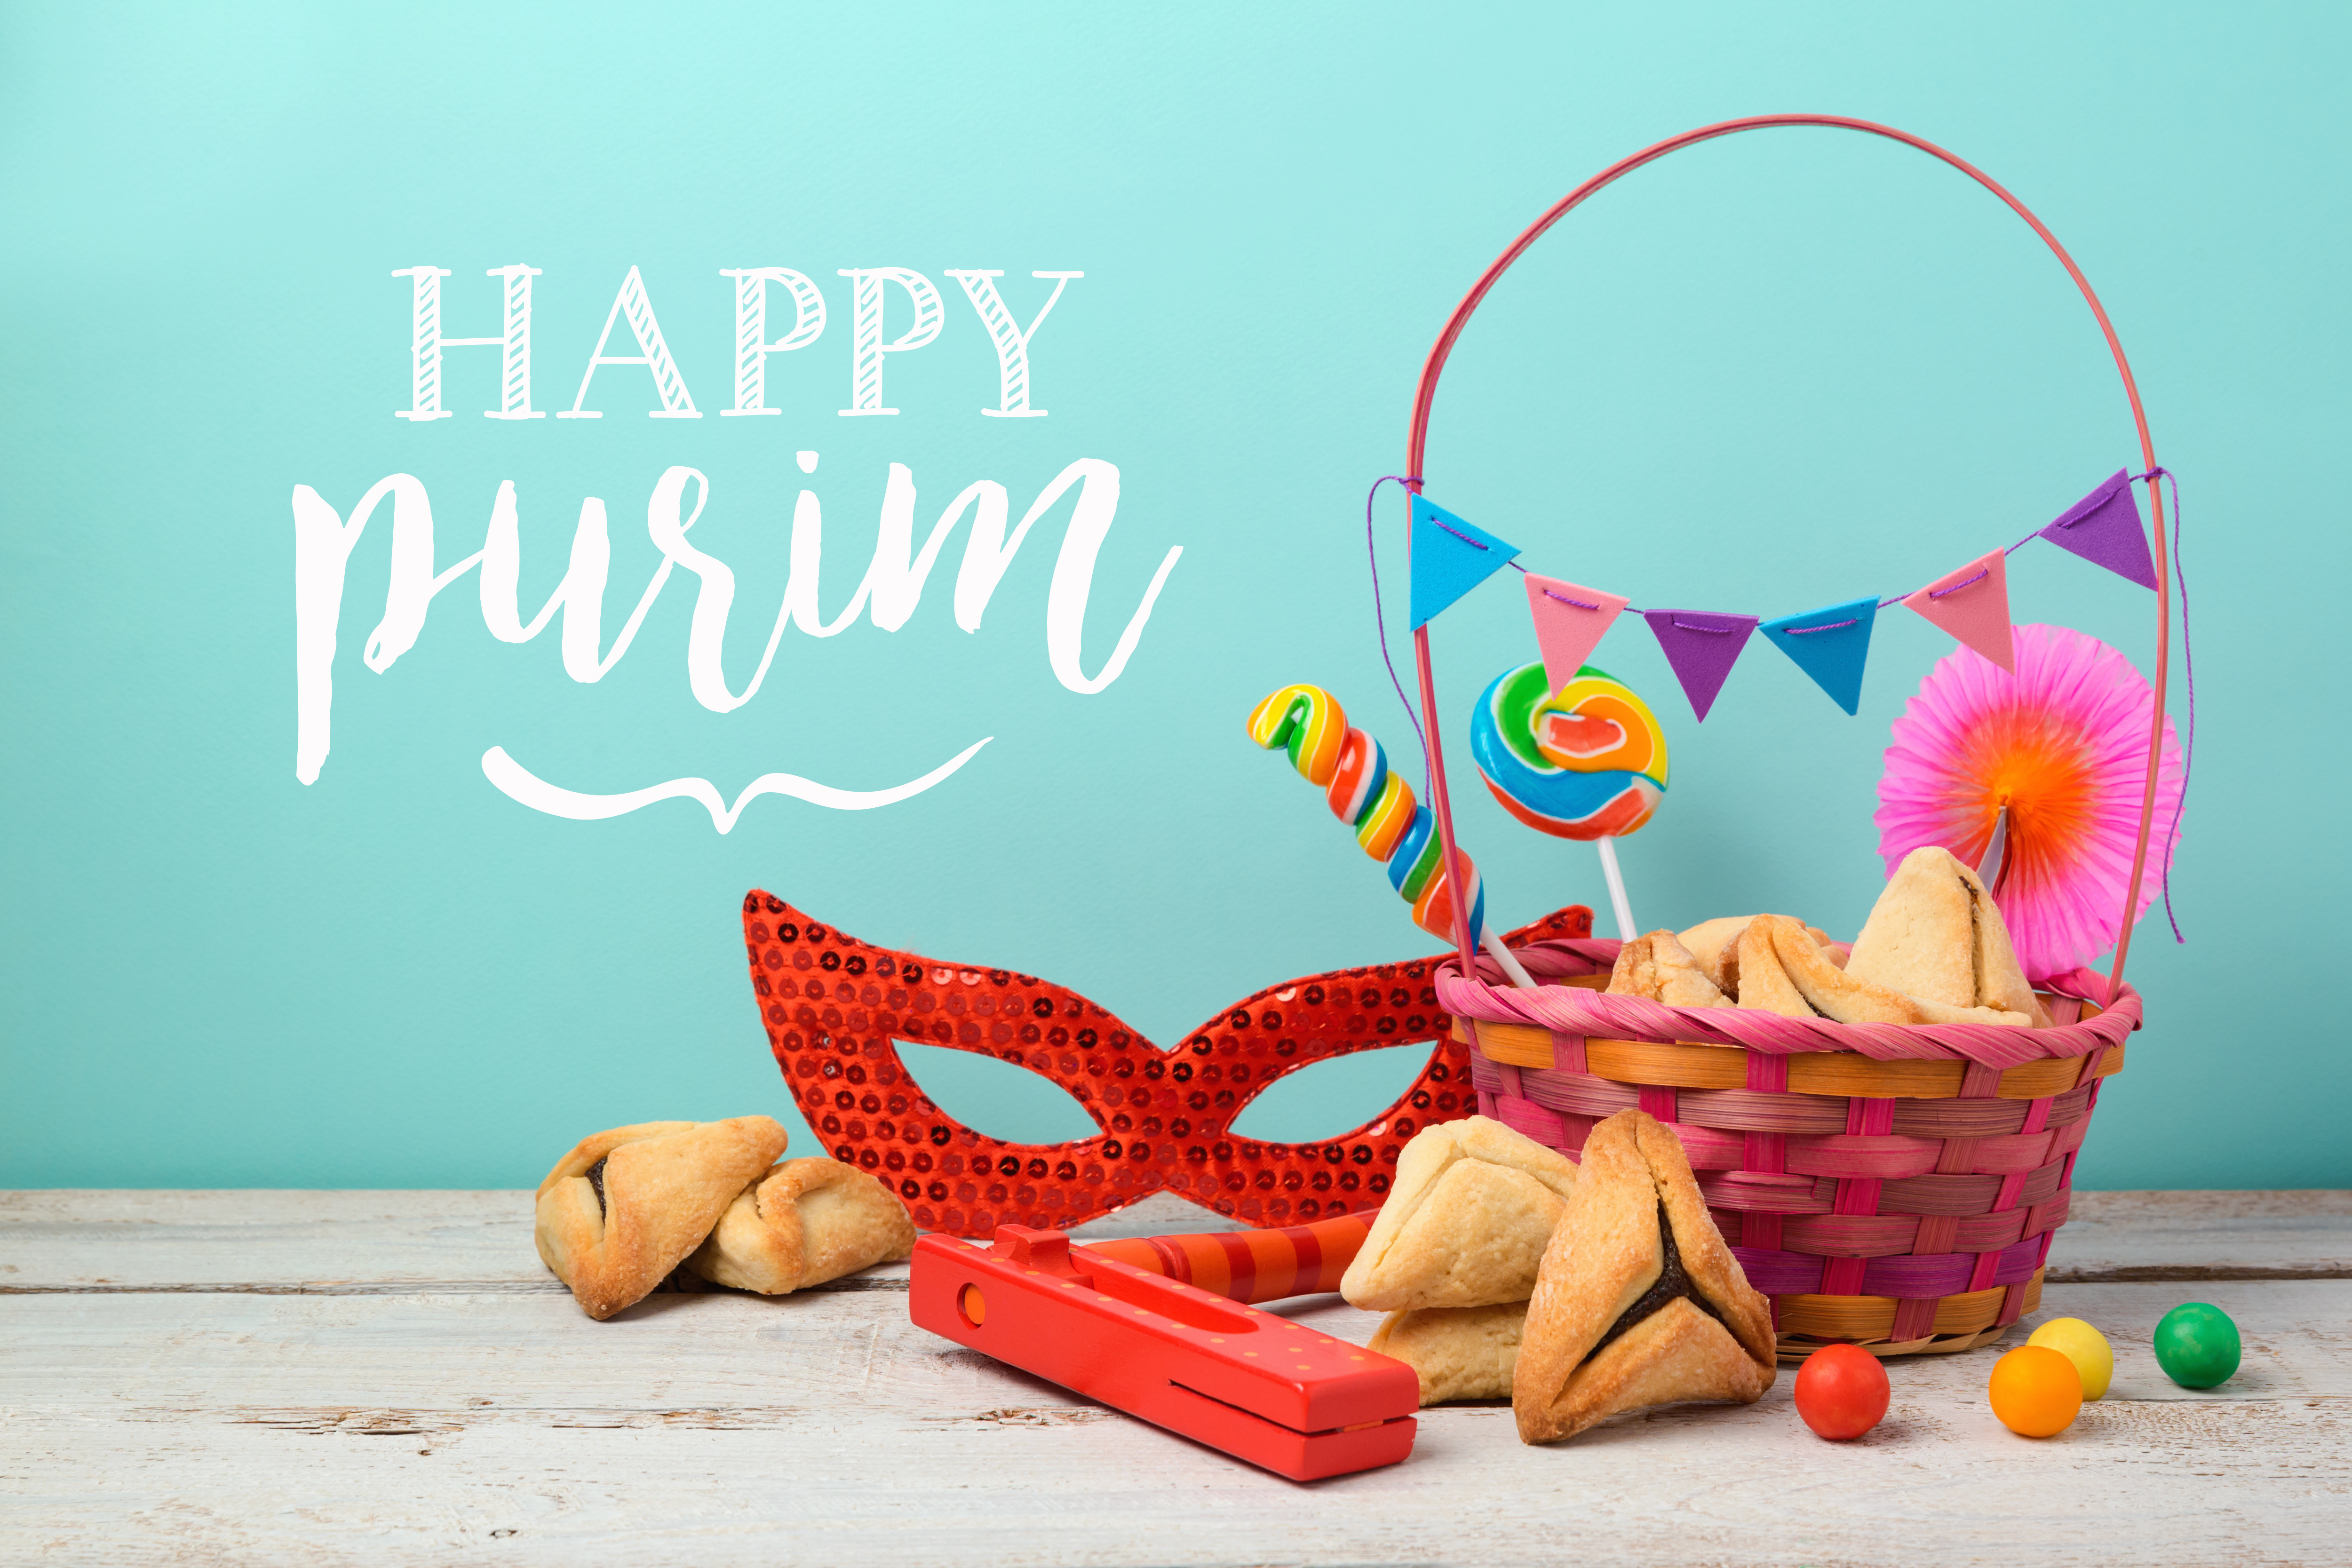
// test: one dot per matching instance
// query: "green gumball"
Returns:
(2197, 1345)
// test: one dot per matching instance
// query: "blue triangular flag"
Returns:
(1450, 557)
(1830, 645)
(2105, 527)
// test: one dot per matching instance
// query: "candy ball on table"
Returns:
(2035, 1391)
(2094, 1361)
(2197, 1345)
(1842, 1392)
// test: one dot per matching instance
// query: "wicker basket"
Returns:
(1906, 1202)
(1893, 1186)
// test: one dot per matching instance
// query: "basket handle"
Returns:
(1417, 442)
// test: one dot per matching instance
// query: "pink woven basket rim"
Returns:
(1573, 1010)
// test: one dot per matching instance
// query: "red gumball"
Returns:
(1842, 1392)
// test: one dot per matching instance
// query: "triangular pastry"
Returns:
(1936, 934)
(1714, 945)
(1458, 1352)
(1758, 972)
(1709, 942)
(1828, 990)
(1639, 1302)
(1660, 968)
(807, 1221)
(1788, 972)
(621, 1210)
(1466, 1222)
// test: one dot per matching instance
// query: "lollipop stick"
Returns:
(1501, 955)
(1608, 848)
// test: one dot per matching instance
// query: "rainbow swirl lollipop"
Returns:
(1588, 764)
(1366, 794)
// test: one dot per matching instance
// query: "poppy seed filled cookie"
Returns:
(1660, 967)
(1936, 934)
(803, 1223)
(1639, 1302)
(1456, 1352)
(1466, 1224)
(625, 1206)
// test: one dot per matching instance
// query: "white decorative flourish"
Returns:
(523, 784)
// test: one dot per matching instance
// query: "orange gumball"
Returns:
(2035, 1391)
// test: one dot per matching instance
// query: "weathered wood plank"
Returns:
(362, 1377)
(369, 1242)
(824, 1428)
(268, 1240)
(336, 1242)
(2189, 1236)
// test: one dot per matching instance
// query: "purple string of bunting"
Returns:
(1450, 555)
(1381, 623)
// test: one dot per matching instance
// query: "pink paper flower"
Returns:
(2063, 744)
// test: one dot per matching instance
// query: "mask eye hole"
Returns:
(1337, 1095)
(995, 1098)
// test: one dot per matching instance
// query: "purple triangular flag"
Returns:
(1702, 645)
(2105, 527)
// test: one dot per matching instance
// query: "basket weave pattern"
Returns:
(1897, 1186)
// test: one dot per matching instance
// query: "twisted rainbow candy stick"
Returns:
(1364, 793)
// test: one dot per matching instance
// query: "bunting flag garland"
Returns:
(1568, 622)
(1450, 557)
(1971, 603)
(1702, 645)
(2104, 528)
(1831, 644)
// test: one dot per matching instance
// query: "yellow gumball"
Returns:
(2084, 1346)
(2035, 1391)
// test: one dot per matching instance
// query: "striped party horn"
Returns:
(1249, 1266)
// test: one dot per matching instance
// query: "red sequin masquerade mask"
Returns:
(835, 1008)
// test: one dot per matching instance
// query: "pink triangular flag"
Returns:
(1972, 604)
(1568, 621)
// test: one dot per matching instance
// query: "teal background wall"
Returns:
(1768, 374)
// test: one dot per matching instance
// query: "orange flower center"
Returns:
(2039, 766)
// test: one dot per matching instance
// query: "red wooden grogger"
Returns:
(1167, 1341)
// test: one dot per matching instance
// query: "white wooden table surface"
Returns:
(391, 1377)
